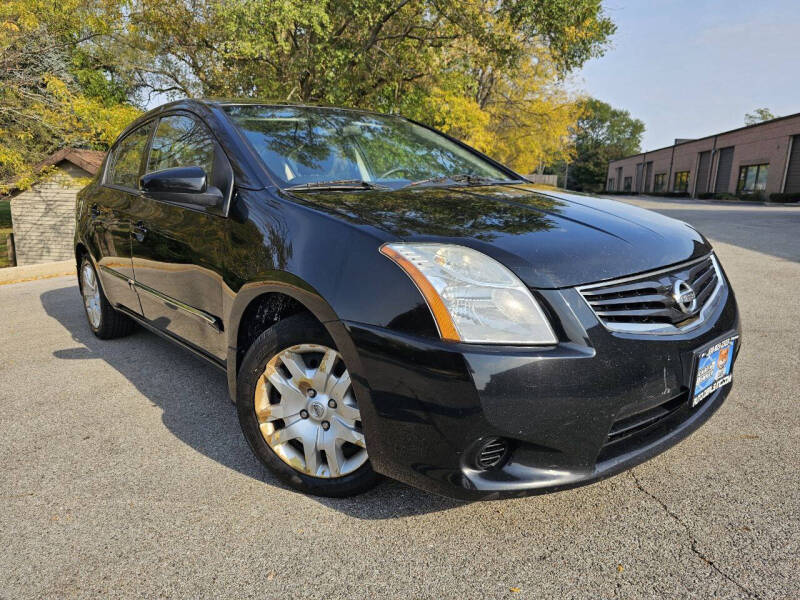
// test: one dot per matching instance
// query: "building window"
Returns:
(659, 182)
(628, 184)
(753, 178)
(610, 184)
(681, 181)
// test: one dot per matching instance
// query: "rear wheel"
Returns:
(105, 321)
(298, 412)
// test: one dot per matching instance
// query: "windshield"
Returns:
(309, 146)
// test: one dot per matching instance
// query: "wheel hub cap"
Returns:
(307, 412)
(316, 410)
(91, 295)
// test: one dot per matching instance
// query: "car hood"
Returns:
(550, 239)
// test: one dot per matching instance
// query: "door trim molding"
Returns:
(210, 319)
(111, 271)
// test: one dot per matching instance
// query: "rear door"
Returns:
(110, 217)
(179, 249)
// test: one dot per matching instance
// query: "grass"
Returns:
(5, 229)
(5, 214)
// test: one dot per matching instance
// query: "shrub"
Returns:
(671, 194)
(785, 197)
(706, 196)
(754, 197)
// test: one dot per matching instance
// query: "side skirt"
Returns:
(178, 341)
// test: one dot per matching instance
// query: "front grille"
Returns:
(648, 303)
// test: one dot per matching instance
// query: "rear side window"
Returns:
(128, 156)
(181, 141)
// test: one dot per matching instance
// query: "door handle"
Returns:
(94, 211)
(139, 231)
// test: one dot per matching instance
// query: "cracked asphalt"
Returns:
(124, 474)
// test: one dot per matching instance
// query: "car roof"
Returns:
(224, 102)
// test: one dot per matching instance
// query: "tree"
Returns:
(488, 71)
(601, 134)
(50, 95)
(759, 115)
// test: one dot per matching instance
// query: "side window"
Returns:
(127, 164)
(181, 141)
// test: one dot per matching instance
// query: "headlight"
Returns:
(473, 298)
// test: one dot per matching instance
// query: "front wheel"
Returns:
(298, 412)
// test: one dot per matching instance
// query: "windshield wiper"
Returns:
(466, 178)
(339, 184)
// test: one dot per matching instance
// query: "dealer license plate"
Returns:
(713, 369)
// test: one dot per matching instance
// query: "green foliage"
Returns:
(758, 116)
(5, 214)
(602, 134)
(43, 106)
(488, 71)
(4, 247)
(776, 197)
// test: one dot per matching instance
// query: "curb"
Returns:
(40, 271)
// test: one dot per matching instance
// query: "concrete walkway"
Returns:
(42, 271)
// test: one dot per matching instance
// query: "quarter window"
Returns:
(181, 141)
(127, 164)
(681, 183)
(659, 182)
(753, 178)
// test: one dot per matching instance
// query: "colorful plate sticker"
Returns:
(713, 369)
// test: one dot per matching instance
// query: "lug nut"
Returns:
(326, 425)
(311, 393)
(304, 414)
(332, 403)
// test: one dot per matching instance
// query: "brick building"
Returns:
(762, 158)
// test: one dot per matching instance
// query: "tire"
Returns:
(301, 457)
(104, 320)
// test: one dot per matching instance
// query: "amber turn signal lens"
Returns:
(447, 330)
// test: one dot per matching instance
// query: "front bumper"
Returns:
(427, 403)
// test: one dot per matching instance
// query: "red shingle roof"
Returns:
(88, 160)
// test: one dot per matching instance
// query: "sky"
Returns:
(694, 68)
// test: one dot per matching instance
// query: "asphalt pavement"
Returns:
(123, 473)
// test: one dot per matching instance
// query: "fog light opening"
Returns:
(492, 454)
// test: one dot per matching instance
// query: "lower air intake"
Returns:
(492, 454)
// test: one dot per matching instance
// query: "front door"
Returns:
(110, 218)
(178, 248)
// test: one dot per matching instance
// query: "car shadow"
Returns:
(193, 396)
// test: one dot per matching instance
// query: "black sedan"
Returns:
(387, 300)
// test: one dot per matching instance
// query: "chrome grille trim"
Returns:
(644, 303)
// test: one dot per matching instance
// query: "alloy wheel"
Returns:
(91, 295)
(307, 412)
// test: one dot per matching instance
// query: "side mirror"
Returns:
(187, 185)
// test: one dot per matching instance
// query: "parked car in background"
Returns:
(387, 300)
